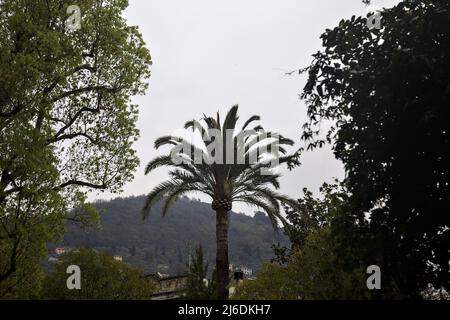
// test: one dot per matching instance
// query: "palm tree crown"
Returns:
(225, 182)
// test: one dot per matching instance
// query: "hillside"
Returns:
(163, 243)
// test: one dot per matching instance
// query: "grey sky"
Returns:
(209, 55)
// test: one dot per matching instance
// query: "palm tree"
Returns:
(225, 182)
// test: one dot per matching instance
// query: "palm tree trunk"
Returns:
(222, 253)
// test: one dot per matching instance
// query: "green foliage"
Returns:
(271, 283)
(198, 286)
(38, 219)
(311, 214)
(102, 277)
(321, 264)
(67, 124)
(26, 281)
(314, 268)
(387, 93)
(318, 272)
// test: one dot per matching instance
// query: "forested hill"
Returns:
(163, 243)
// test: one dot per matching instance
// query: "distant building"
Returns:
(247, 271)
(167, 287)
(118, 258)
(238, 276)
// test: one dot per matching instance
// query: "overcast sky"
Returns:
(209, 55)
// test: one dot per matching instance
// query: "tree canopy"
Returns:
(102, 277)
(387, 92)
(67, 124)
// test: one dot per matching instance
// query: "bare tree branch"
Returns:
(71, 136)
(82, 184)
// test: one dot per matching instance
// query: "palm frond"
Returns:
(218, 120)
(250, 120)
(187, 148)
(172, 197)
(157, 194)
(231, 119)
(193, 179)
(268, 194)
(157, 162)
(272, 213)
(161, 141)
(197, 126)
(210, 122)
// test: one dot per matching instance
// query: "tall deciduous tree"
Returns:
(66, 121)
(388, 92)
(203, 168)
